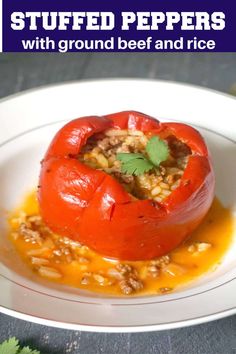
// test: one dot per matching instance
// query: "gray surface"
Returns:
(22, 71)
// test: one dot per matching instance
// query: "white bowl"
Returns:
(28, 122)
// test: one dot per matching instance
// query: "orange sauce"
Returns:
(216, 230)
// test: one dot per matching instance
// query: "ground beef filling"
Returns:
(101, 150)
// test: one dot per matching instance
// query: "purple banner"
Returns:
(136, 26)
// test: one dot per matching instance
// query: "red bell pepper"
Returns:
(90, 206)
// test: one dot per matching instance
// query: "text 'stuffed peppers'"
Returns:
(90, 206)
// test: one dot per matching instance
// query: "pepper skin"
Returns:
(90, 206)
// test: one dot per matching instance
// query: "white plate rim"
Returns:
(116, 79)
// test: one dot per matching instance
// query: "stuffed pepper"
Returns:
(126, 185)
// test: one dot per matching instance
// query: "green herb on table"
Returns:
(136, 164)
(11, 346)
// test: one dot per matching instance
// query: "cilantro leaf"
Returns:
(157, 150)
(10, 346)
(134, 164)
(27, 350)
(126, 157)
(137, 164)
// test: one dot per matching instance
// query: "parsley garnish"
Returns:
(157, 150)
(136, 164)
(11, 346)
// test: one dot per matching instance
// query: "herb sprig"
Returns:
(136, 164)
(11, 346)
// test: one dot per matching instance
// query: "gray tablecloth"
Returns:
(218, 71)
